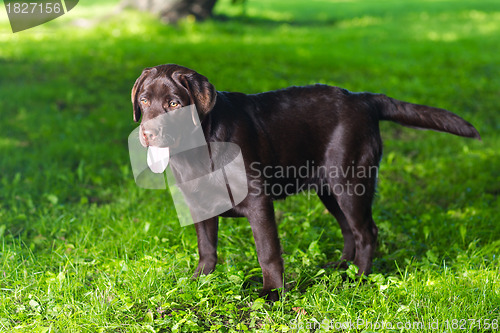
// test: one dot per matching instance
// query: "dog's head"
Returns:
(167, 88)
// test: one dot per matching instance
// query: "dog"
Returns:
(314, 128)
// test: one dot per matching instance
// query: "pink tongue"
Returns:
(158, 159)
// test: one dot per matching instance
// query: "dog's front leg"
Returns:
(206, 233)
(265, 233)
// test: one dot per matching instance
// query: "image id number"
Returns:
(34, 8)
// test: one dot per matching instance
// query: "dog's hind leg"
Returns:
(349, 250)
(353, 190)
(355, 203)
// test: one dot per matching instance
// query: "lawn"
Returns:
(83, 249)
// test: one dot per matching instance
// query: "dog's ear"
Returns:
(135, 91)
(201, 91)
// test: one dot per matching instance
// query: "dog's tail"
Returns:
(424, 117)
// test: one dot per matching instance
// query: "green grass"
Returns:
(83, 249)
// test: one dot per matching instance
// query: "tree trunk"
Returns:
(171, 11)
(200, 9)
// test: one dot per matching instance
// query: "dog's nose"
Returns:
(150, 135)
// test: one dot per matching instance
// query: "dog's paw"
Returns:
(203, 269)
(270, 295)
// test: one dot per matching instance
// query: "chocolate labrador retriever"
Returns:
(291, 139)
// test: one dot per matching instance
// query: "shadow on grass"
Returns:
(270, 23)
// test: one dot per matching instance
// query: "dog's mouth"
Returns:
(158, 150)
(158, 158)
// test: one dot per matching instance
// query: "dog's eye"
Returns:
(144, 101)
(173, 104)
